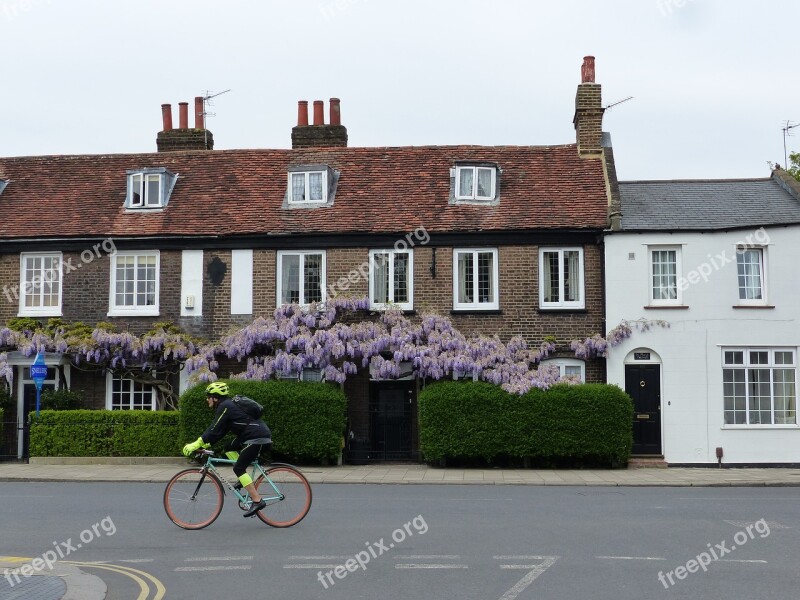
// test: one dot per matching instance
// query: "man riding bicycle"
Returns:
(251, 436)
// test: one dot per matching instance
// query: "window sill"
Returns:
(35, 315)
(665, 306)
(756, 427)
(133, 313)
(759, 306)
(476, 311)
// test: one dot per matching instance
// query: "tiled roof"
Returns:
(706, 204)
(228, 192)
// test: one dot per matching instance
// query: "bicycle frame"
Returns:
(211, 465)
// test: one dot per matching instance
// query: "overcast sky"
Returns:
(713, 81)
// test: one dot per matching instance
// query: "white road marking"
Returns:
(523, 557)
(427, 556)
(428, 566)
(307, 566)
(137, 560)
(216, 558)
(519, 566)
(318, 557)
(217, 568)
(742, 561)
(528, 578)
(632, 557)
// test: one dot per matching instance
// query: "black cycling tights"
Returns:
(247, 455)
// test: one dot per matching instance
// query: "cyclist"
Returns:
(251, 435)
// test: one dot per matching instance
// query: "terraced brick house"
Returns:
(505, 240)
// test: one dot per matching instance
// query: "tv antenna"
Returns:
(207, 102)
(787, 131)
(613, 104)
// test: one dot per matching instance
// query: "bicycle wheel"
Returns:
(294, 499)
(193, 499)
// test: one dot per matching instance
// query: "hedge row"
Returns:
(477, 420)
(307, 419)
(104, 433)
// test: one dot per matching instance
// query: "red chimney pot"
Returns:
(319, 117)
(199, 117)
(302, 113)
(183, 115)
(587, 70)
(166, 116)
(336, 114)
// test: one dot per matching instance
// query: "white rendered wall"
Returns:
(691, 349)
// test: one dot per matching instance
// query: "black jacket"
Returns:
(230, 417)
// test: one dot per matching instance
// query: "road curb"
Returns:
(79, 584)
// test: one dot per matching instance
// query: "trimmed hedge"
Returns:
(104, 433)
(587, 423)
(307, 419)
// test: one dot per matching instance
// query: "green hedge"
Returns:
(307, 419)
(589, 423)
(104, 433)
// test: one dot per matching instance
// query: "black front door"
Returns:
(390, 420)
(643, 384)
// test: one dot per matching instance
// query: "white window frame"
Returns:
(477, 305)
(147, 310)
(110, 378)
(762, 252)
(563, 363)
(45, 275)
(747, 366)
(144, 200)
(678, 300)
(302, 254)
(562, 304)
(409, 305)
(473, 193)
(290, 196)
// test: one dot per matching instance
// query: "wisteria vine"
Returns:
(332, 337)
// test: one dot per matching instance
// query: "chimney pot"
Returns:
(319, 117)
(166, 116)
(336, 115)
(587, 70)
(199, 117)
(183, 115)
(302, 113)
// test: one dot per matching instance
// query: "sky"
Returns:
(710, 81)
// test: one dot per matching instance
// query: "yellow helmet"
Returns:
(218, 388)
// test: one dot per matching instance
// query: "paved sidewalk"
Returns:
(67, 582)
(56, 469)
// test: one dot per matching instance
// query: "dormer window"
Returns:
(310, 185)
(475, 182)
(3, 184)
(149, 188)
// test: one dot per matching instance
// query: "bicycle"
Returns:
(194, 497)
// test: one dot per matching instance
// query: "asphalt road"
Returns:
(422, 542)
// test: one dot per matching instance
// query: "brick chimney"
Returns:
(319, 134)
(184, 138)
(589, 110)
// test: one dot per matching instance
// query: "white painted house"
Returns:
(719, 260)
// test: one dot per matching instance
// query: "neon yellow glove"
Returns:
(192, 446)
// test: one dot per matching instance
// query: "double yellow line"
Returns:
(141, 577)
